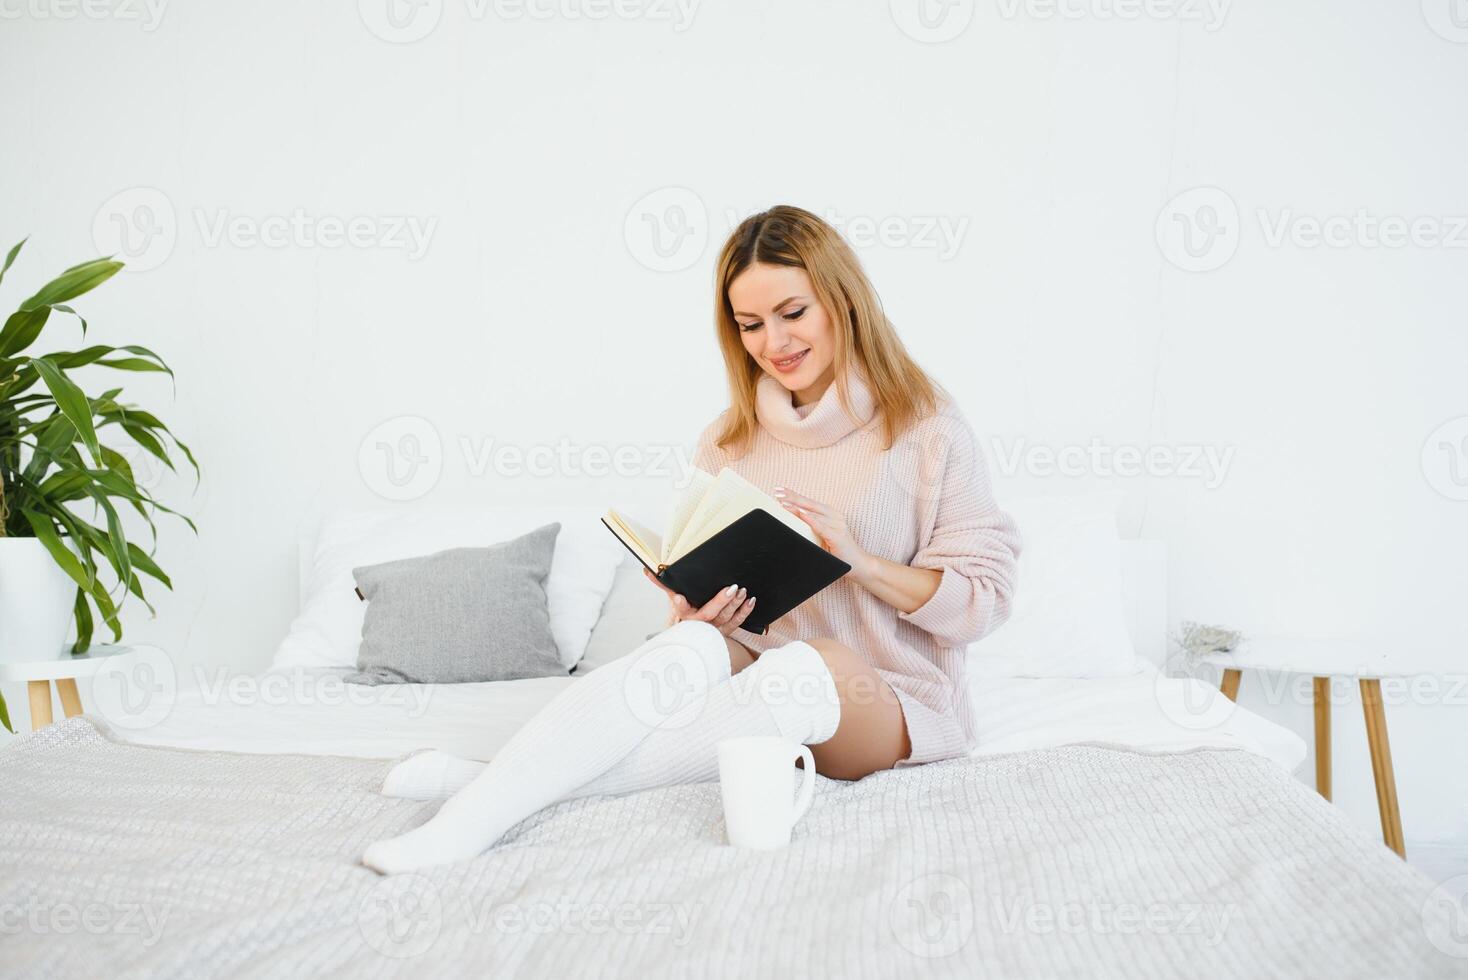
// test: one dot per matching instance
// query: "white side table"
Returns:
(1323, 660)
(64, 670)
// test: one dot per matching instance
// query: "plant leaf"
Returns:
(121, 561)
(117, 463)
(145, 352)
(64, 487)
(144, 563)
(9, 261)
(71, 401)
(96, 591)
(60, 553)
(50, 445)
(143, 437)
(66, 309)
(73, 282)
(21, 328)
(83, 615)
(136, 415)
(133, 364)
(73, 528)
(79, 358)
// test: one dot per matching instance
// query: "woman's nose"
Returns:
(777, 337)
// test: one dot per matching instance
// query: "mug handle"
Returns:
(807, 786)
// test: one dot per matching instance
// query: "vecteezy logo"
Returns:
(402, 458)
(1445, 459)
(135, 690)
(401, 916)
(137, 225)
(665, 687)
(937, 452)
(400, 21)
(933, 915)
(932, 21)
(1198, 230)
(1447, 18)
(1186, 701)
(667, 230)
(1445, 916)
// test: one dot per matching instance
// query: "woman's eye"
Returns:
(747, 327)
(795, 314)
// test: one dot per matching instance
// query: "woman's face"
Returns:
(785, 328)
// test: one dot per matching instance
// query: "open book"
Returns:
(724, 530)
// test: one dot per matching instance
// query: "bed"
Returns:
(1096, 831)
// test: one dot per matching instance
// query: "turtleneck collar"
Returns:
(826, 423)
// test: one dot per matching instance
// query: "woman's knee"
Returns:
(857, 682)
(872, 733)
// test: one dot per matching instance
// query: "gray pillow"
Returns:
(459, 616)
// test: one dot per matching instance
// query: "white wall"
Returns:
(1048, 141)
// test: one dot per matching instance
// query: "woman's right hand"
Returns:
(726, 611)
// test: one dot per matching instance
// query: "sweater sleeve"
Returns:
(972, 542)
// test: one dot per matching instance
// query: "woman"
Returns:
(831, 414)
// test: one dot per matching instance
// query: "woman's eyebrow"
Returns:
(784, 302)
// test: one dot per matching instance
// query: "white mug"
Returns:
(760, 806)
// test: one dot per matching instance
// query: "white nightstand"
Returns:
(1323, 660)
(64, 670)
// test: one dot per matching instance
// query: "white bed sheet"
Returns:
(314, 712)
(1146, 711)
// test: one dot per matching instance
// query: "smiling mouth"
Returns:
(789, 363)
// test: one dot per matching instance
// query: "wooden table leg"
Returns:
(1230, 685)
(1381, 765)
(1322, 736)
(71, 701)
(40, 692)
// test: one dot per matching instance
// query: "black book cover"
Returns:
(779, 566)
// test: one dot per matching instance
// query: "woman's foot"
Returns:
(431, 775)
(424, 845)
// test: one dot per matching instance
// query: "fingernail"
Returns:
(731, 590)
(751, 600)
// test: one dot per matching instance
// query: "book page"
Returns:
(683, 508)
(729, 498)
(645, 543)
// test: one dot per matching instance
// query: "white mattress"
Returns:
(314, 713)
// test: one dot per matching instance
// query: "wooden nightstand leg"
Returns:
(1381, 765)
(1230, 685)
(40, 692)
(71, 701)
(1322, 736)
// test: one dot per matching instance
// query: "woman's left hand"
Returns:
(829, 526)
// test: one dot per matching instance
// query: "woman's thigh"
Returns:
(739, 655)
(872, 733)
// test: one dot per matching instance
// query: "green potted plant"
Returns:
(63, 547)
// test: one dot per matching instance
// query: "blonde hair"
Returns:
(790, 236)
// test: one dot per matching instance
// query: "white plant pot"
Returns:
(36, 599)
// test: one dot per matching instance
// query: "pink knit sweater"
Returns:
(925, 502)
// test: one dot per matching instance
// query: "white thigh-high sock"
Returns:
(788, 691)
(581, 733)
(431, 775)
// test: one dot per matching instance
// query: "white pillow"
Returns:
(1068, 618)
(634, 608)
(328, 629)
